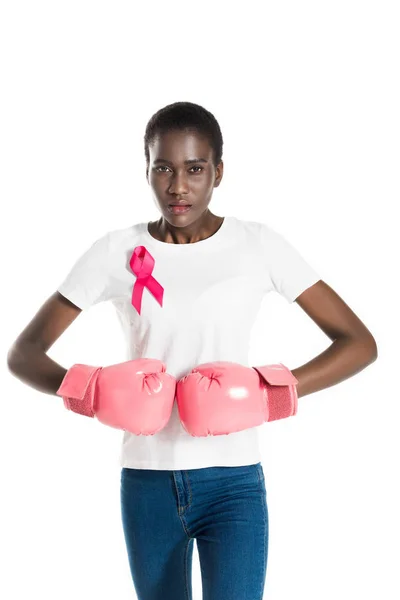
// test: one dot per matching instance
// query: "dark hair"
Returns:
(184, 116)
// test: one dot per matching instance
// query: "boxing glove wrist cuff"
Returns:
(280, 391)
(77, 389)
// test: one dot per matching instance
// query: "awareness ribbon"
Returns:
(142, 264)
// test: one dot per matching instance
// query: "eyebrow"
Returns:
(187, 162)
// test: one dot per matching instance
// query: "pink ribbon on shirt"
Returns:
(142, 264)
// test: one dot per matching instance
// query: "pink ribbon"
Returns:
(142, 264)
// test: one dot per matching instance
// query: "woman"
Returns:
(214, 270)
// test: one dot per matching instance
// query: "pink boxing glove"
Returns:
(219, 398)
(136, 395)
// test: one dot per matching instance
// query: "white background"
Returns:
(307, 97)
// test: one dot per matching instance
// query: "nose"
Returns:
(179, 184)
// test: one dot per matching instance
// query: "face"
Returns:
(181, 169)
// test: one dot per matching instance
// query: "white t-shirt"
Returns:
(212, 294)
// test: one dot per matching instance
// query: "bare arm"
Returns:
(27, 359)
(353, 347)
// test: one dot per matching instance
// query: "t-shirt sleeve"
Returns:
(87, 282)
(290, 273)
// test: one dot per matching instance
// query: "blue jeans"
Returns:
(223, 508)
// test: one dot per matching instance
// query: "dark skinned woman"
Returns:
(187, 289)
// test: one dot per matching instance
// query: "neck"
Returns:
(205, 226)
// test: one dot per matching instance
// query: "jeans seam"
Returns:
(186, 570)
(265, 519)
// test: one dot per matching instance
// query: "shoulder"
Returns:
(118, 238)
(259, 230)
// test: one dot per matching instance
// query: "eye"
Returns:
(165, 167)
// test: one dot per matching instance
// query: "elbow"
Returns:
(11, 359)
(14, 358)
(364, 348)
(369, 348)
(375, 351)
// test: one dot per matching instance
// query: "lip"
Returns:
(179, 209)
